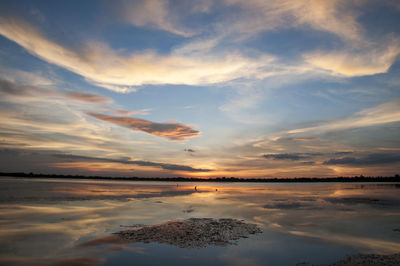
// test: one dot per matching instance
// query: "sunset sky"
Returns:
(244, 88)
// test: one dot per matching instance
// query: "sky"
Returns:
(205, 88)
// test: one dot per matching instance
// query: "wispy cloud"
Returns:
(327, 132)
(166, 166)
(105, 67)
(337, 17)
(388, 112)
(150, 13)
(24, 77)
(116, 88)
(355, 63)
(171, 131)
(359, 55)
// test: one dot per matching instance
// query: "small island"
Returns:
(192, 233)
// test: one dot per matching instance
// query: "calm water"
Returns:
(51, 221)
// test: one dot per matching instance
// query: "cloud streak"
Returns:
(166, 166)
(171, 131)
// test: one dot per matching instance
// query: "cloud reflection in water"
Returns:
(36, 214)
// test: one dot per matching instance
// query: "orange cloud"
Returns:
(171, 131)
(125, 112)
(86, 97)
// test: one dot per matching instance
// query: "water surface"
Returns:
(70, 222)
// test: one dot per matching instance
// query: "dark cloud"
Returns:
(166, 166)
(340, 153)
(21, 90)
(370, 159)
(288, 156)
(284, 206)
(302, 156)
(171, 131)
(307, 163)
(86, 97)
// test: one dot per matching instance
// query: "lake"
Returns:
(71, 222)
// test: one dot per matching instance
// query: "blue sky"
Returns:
(204, 88)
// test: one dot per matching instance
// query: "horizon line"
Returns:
(361, 178)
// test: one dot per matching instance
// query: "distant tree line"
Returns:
(361, 178)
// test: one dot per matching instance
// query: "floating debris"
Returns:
(192, 233)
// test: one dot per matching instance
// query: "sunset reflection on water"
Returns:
(71, 222)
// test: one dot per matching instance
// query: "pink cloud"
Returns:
(171, 131)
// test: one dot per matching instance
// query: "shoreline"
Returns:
(356, 179)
